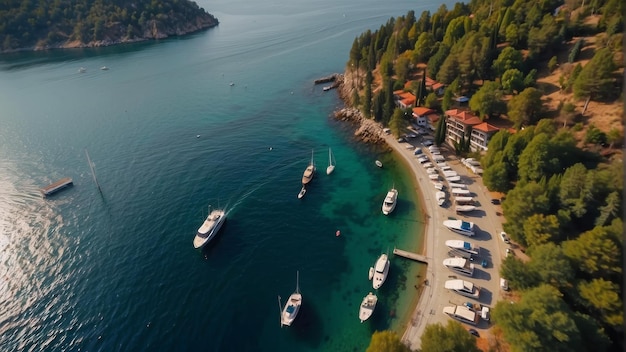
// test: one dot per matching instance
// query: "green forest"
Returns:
(562, 177)
(28, 24)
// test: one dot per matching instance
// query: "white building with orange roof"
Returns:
(481, 134)
(404, 100)
(425, 117)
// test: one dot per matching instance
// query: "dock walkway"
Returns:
(56, 186)
(410, 255)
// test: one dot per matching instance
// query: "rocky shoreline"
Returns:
(368, 130)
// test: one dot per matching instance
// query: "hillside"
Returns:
(544, 82)
(29, 25)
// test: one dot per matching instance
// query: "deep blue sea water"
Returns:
(117, 271)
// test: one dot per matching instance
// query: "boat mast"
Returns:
(297, 281)
(280, 312)
(93, 172)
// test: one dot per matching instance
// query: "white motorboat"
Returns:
(290, 311)
(389, 204)
(463, 246)
(464, 208)
(459, 226)
(378, 163)
(331, 163)
(302, 193)
(381, 269)
(82, 70)
(433, 177)
(209, 228)
(464, 288)
(459, 265)
(367, 306)
(307, 176)
(104, 68)
(439, 186)
(371, 273)
(453, 179)
(441, 197)
(462, 313)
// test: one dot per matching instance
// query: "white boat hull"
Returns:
(389, 204)
(292, 307)
(381, 269)
(209, 228)
(367, 307)
(302, 193)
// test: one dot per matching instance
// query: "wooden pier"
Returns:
(56, 186)
(410, 255)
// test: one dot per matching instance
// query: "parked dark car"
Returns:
(474, 332)
(495, 201)
(484, 263)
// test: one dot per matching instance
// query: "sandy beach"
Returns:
(434, 296)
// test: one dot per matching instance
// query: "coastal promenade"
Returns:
(434, 296)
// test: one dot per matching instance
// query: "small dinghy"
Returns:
(371, 272)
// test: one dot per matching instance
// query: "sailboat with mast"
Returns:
(307, 176)
(292, 306)
(93, 172)
(331, 162)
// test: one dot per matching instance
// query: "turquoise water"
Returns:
(117, 271)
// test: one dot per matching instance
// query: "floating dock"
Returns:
(410, 255)
(56, 186)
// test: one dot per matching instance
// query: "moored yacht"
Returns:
(465, 228)
(367, 306)
(209, 228)
(307, 176)
(381, 269)
(292, 306)
(389, 204)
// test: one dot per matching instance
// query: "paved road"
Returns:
(488, 223)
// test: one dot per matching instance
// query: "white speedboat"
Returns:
(331, 163)
(292, 306)
(381, 269)
(464, 208)
(460, 245)
(441, 197)
(378, 163)
(464, 288)
(459, 226)
(367, 306)
(307, 176)
(209, 228)
(104, 68)
(302, 193)
(389, 204)
(459, 265)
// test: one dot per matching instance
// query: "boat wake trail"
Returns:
(276, 169)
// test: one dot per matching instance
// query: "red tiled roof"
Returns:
(485, 127)
(464, 117)
(438, 86)
(422, 111)
(433, 118)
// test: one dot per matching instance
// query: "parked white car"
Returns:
(504, 237)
